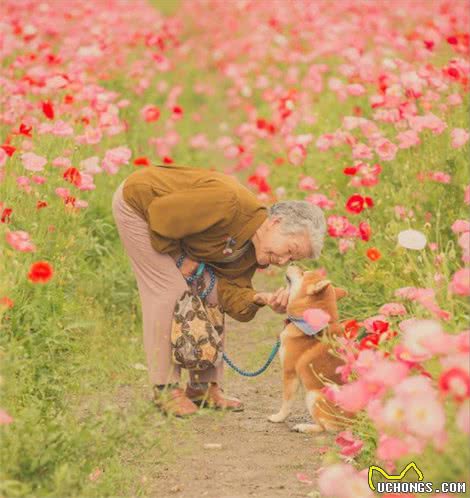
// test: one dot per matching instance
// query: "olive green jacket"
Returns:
(194, 210)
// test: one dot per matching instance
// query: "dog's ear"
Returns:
(318, 287)
(340, 293)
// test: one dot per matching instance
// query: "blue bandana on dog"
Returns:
(305, 327)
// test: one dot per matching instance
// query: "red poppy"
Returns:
(25, 130)
(9, 149)
(141, 161)
(369, 202)
(167, 160)
(40, 272)
(350, 170)
(151, 113)
(6, 301)
(260, 183)
(379, 326)
(351, 328)
(48, 109)
(6, 215)
(177, 110)
(355, 204)
(41, 204)
(70, 201)
(68, 99)
(373, 254)
(455, 382)
(370, 341)
(364, 230)
(72, 175)
(261, 123)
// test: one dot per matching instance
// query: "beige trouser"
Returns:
(160, 284)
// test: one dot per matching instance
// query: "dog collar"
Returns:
(305, 327)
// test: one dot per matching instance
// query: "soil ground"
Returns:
(250, 456)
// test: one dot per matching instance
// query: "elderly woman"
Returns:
(164, 211)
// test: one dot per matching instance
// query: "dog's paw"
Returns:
(277, 417)
(307, 428)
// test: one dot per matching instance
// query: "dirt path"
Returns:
(255, 457)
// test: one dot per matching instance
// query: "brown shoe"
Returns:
(213, 397)
(174, 402)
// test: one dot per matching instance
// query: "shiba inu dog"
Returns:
(304, 358)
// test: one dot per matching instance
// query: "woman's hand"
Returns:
(276, 300)
(188, 267)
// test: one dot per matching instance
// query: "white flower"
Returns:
(412, 239)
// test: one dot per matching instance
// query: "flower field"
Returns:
(360, 107)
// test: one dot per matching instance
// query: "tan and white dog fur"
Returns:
(305, 359)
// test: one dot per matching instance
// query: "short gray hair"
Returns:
(301, 217)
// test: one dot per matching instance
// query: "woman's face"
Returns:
(275, 248)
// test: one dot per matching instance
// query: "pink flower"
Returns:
(62, 192)
(5, 418)
(424, 416)
(440, 176)
(118, 155)
(386, 149)
(385, 373)
(324, 142)
(20, 241)
(350, 446)
(39, 179)
(361, 151)
(391, 448)
(460, 283)
(459, 137)
(429, 121)
(392, 309)
(297, 154)
(23, 183)
(343, 481)
(316, 318)
(345, 245)
(86, 182)
(426, 298)
(62, 162)
(304, 478)
(354, 396)
(466, 196)
(91, 165)
(416, 334)
(320, 200)
(408, 139)
(92, 136)
(308, 183)
(461, 226)
(414, 386)
(355, 89)
(199, 141)
(32, 161)
(454, 99)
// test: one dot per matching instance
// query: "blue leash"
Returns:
(189, 280)
(260, 370)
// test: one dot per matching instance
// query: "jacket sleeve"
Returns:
(236, 297)
(186, 212)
